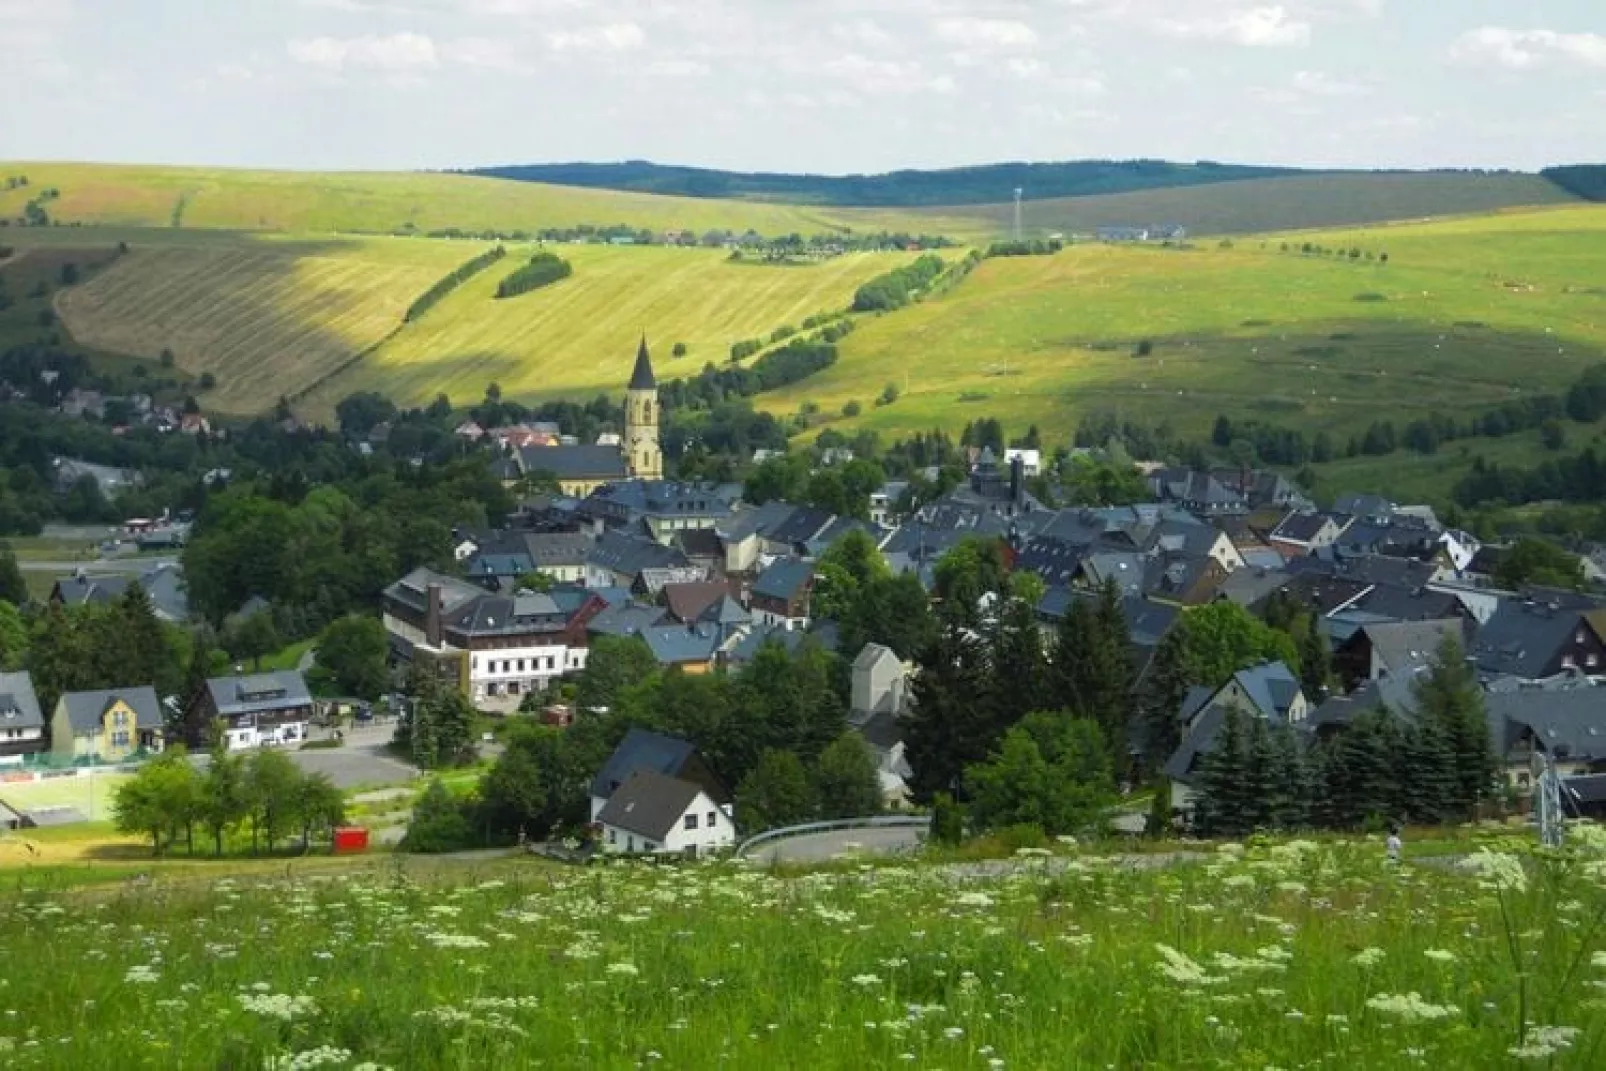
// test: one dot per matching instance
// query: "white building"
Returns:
(652, 813)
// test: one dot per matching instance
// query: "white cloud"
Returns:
(1519, 49)
(861, 32)
(1002, 34)
(612, 37)
(679, 68)
(488, 54)
(1255, 27)
(399, 52)
(885, 76)
(1321, 84)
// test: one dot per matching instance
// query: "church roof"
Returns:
(642, 378)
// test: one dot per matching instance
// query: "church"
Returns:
(581, 469)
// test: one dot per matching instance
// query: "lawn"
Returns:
(1465, 314)
(1298, 955)
(578, 337)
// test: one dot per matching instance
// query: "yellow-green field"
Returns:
(579, 336)
(382, 202)
(267, 316)
(1465, 314)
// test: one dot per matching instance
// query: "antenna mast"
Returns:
(1018, 192)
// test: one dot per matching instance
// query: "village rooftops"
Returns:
(648, 804)
(19, 704)
(283, 690)
(85, 709)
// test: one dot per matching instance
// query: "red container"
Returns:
(350, 839)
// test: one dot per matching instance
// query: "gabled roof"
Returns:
(91, 590)
(688, 602)
(726, 612)
(642, 749)
(1572, 719)
(259, 692)
(19, 703)
(85, 709)
(625, 619)
(620, 553)
(1301, 527)
(681, 645)
(1404, 645)
(574, 462)
(801, 525)
(649, 804)
(1523, 636)
(1272, 687)
(557, 549)
(641, 377)
(785, 579)
(873, 653)
(699, 543)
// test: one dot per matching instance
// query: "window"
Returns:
(613, 836)
(691, 821)
(1592, 661)
(521, 665)
(120, 739)
(711, 816)
(630, 844)
(649, 846)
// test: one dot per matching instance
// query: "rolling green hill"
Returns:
(1258, 205)
(1464, 314)
(372, 202)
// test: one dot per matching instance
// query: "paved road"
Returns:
(347, 766)
(818, 847)
(98, 566)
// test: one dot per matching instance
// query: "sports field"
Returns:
(1464, 314)
(91, 796)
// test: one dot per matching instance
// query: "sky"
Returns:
(832, 86)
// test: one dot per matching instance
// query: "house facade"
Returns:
(652, 813)
(108, 725)
(780, 595)
(22, 726)
(257, 710)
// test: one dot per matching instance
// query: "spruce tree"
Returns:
(1448, 695)
(1221, 807)
(1361, 770)
(948, 726)
(1092, 670)
(1165, 687)
(1291, 796)
(1426, 773)
(1018, 667)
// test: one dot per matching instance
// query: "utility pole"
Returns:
(1018, 192)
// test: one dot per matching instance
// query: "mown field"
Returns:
(382, 202)
(1285, 203)
(1465, 314)
(578, 336)
(265, 315)
(1294, 955)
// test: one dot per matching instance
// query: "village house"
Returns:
(1269, 691)
(668, 756)
(22, 726)
(257, 710)
(655, 814)
(106, 726)
(780, 595)
(1302, 534)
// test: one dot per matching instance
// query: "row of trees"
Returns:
(265, 795)
(1436, 765)
(896, 288)
(459, 275)
(543, 269)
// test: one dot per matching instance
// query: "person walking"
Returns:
(1393, 846)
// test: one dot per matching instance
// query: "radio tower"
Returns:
(1018, 192)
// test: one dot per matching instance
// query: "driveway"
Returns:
(348, 767)
(819, 847)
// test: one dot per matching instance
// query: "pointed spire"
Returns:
(642, 378)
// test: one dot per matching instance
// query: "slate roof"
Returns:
(641, 377)
(1401, 604)
(1272, 687)
(1521, 638)
(412, 591)
(628, 556)
(625, 619)
(574, 462)
(91, 590)
(882, 730)
(670, 756)
(259, 692)
(801, 525)
(1300, 527)
(84, 709)
(1404, 645)
(553, 550)
(726, 612)
(785, 579)
(756, 520)
(1246, 587)
(649, 804)
(1574, 719)
(699, 543)
(1054, 560)
(1195, 745)
(1396, 693)
(747, 648)
(19, 703)
(679, 645)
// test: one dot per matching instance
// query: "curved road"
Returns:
(819, 847)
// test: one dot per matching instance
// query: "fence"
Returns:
(882, 821)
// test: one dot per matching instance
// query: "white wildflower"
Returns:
(1439, 955)
(1368, 957)
(1410, 1007)
(1496, 870)
(627, 970)
(1544, 1042)
(278, 1005)
(866, 981)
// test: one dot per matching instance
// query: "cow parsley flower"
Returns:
(1368, 957)
(627, 970)
(1439, 955)
(278, 1005)
(1179, 968)
(866, 981)
(1499, 871)
(1410, 1007)
(1544, 1042)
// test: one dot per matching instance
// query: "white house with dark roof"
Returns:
(669, 756)
(260, 709)
(108, 725)
(22, 726)
(663, 815)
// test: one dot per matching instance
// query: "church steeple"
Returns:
(642, 378)
(644, 458)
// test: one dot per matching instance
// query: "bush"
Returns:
(1145, 348)
(679, 350)
(544, 269)
(851, 409)
(889, 394)
(440, 823)
(1370, 296)
(460, 275)
(208, 381)
(897, 288)
(947, 820)
(745, 348)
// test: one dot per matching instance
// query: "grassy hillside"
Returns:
(1313, 954)
(579, 336)
(1464, 314)
(192, 197)
(266, 316)
(1287, 203)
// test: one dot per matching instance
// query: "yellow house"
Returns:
(107, 725)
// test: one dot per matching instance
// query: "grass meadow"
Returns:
(1466, 314)
(1300, 954)
(132, 195)
(578, 337)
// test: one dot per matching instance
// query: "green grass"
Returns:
(1244, 962)
(1246, 330)
(287, 657)
(381, 202)
(578, 337)
(1273, 204)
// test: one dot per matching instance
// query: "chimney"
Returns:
(432, 615)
